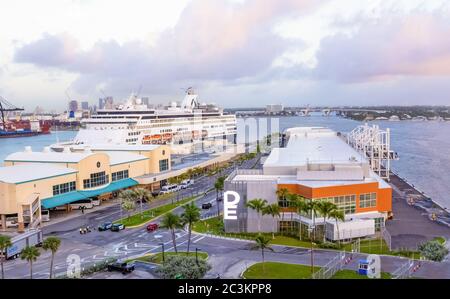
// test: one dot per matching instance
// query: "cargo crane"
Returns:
(5, 107)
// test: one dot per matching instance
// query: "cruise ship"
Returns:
(187, 123)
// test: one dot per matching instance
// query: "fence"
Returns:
(333, 266)
(404, 271)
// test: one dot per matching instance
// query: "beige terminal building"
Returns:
(32, 181)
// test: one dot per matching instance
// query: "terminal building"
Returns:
(33, 181)
(317, 164)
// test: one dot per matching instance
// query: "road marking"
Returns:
(199, 239)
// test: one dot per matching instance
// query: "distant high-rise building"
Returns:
(145, 101)
(105, 103)
(85, 105)
(73, 106)
(274, 108)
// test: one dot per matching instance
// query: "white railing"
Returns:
(333, 266)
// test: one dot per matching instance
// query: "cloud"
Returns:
(212, 40)
(412, 45)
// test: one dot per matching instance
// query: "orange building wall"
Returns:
(384, 196)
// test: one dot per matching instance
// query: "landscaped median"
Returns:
(371, 246)
(156, 258)
(276, 270)
(143, 218)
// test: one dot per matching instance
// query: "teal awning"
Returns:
(114, 186)
(70, 197)
(62, 199)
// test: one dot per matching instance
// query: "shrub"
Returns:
(184, 267)
(328, 245)
(433, 250)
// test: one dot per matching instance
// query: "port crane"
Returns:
(5, 107)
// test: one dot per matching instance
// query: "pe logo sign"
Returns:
(230, 202)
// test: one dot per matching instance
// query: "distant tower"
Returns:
(101, 103)
(73, 106)
(145, 101)
(85, 105)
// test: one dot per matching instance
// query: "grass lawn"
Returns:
(350, 274)
(157, 257)
(148, 215)
(274, 270)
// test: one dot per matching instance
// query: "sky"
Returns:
(235, 53)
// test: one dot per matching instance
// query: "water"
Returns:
(424, 148)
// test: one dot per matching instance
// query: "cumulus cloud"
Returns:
(412, 45)
(213, 40)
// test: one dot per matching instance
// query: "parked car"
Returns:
(186, 183)
(105, 226)
(206, 206)
(117, 227)
(121, 267)
(152, 227)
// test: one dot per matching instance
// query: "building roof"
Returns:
(313, 145)
(26, 172)
(116, 158)
(47, 157)
(116, 147)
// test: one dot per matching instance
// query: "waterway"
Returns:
(423, 147)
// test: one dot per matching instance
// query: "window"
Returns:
(97, 179)
(345, 203)
(64, 188)
(164, 165)
(120, 175)
(379, 223)
(368, 200)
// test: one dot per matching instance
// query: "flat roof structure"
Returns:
(54, 157)
(115, 147)
(18, 174)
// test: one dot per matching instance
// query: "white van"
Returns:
(45, 215)
(186, 183)
(169, 188)
(86, 203)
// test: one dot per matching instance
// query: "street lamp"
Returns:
(196, 254)
(310, 230)
(163, 257)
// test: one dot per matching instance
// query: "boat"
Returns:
(133, 123)
(14, 129)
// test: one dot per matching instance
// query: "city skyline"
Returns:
(235, 53)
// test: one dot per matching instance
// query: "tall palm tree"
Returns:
(52, 244)
(258, 205)
(128, 205)
(338, 215)
(262, 243)
(143, 195)
(274, 211)
(282, 194)
(5, 242)
(312, 208)
(219, 185)
(325, 208)
(190, 215)
(172, 222)
(302, 207)
(291, 202)
(30, 254)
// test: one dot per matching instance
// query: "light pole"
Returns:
(310, 230)
(163, 257)
(196, 254)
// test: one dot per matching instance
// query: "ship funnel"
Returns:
(27, 149)
(46, 149)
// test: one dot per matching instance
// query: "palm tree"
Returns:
(338, 215)
(190, 173)
(52, 244)
(325, 208)
(30, 254)
(302, 207)
(274, 211)
(5, 242)
(172, 222)
(190, 215)
(219, 185)
(313, 208)
(128, 205)
(142, 194)
(262, 243)
(258, 205)
(282, 194)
